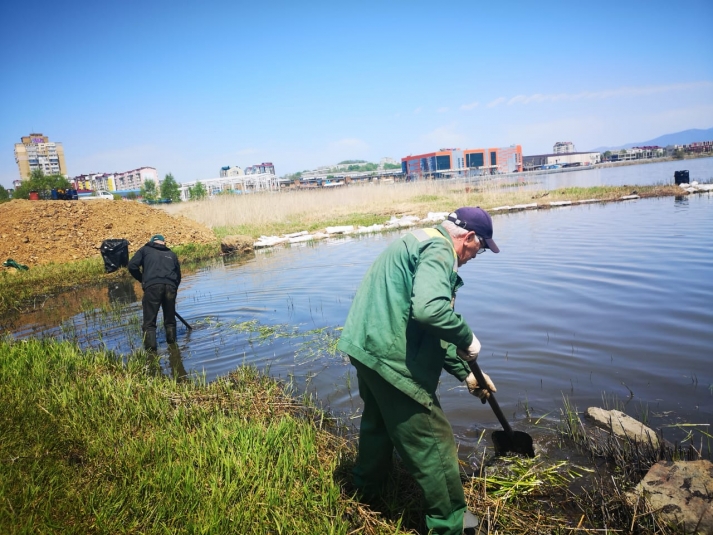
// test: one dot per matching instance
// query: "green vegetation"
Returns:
(148, 190)
(32, 287)
(197, 191)
(388, 166)
(170, 189)
(94, 445)
(4, 195)
(41, 183)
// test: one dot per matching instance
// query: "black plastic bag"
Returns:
(115, 254)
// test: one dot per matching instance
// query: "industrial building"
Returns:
(37, 152)
(571, 159)
(450, 163)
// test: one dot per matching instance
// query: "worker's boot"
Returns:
(150, 340)
(170, 334)
(470, 523)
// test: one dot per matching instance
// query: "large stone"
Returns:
(622, 425)
(236, 244)
(681, 492)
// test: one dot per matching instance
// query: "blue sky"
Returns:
(188, 87)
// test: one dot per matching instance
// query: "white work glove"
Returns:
(472, 352)
(475, 389)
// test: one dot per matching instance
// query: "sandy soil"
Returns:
(40, 232)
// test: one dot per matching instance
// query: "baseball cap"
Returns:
(157, 237)
(477, 220)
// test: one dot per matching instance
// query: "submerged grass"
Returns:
(29, 289)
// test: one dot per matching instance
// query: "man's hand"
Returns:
(472, 352)
(475, 389)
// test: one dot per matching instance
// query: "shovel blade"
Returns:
(519, 442)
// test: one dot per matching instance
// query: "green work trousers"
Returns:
(424, 440)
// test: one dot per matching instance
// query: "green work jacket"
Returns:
(402, 323)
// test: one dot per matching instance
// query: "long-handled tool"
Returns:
(508, 440)
(183, 321)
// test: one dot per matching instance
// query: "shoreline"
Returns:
(22, 291)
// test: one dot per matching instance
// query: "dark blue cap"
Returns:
(477, 220)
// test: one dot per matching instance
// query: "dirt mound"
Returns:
(39, 232)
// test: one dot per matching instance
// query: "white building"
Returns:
(234, 184)
(563, 147)
(231, 171)
(125, 181)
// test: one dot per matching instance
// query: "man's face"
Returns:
(470, 246)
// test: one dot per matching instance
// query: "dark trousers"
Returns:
(155, 296)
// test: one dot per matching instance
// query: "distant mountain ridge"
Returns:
(679, 138)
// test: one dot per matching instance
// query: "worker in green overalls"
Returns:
(400, 333)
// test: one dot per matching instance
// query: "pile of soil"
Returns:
(40, 232)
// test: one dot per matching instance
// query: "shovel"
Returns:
(183, 321)
(508, 440)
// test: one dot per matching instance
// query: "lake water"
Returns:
(603, 304)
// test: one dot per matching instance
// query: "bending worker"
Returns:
(400, 333)
(156, 267)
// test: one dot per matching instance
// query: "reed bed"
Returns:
(366, 204)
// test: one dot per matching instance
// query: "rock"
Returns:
(681, 492)
(622, 425)
(236, 244)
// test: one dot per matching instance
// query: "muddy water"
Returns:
(606, 304)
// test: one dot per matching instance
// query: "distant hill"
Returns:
(679, 138)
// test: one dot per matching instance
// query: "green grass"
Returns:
(93, 445)
(22, 289)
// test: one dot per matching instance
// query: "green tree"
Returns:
(4, 195)
(392, 166)
(197, 192)
(170, 189)
(148, 190)
(607, 155)
(41, 183)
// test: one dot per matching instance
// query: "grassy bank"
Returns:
(29, 289)
(93, 443)
(367, 204)
(90, 445)
(291, 211)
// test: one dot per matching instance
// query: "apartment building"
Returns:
(563, 147)
(37, 152)
(125, 181)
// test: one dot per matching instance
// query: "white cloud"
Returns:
(442, 109)
(418, 110)
(600, 95)
(471, 106)
(496, 102)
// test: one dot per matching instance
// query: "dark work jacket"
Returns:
(155, 264)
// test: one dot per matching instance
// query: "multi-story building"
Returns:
(37, 152)
(126, 181)
(563, 147)
(265, 167)
(231, 171)
(456, 162)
